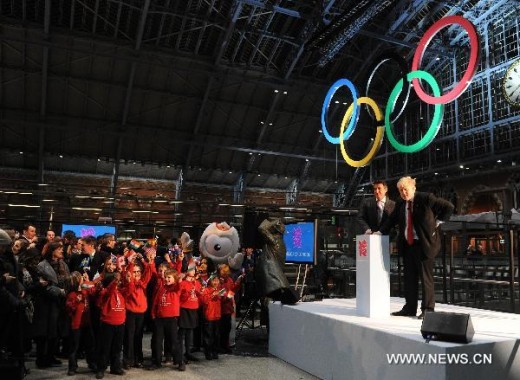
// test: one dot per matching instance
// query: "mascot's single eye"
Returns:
(217, 246)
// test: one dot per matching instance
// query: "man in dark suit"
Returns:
(374, 211)
(418, 216)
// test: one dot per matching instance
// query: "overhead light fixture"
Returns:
(26, 193)
(48, 200)
(224, 204)
(26, 206)
(160, 201)
(87, 209)
(141, 211)
(81, 196)
(43, 184)
(10, 192)
(237, 205)
(341, 210)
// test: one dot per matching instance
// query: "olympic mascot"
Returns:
(220, 243)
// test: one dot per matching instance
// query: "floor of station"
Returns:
(249, 360)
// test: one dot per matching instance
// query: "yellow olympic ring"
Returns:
(380, 131)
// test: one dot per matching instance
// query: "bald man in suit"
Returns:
(374, 211)
(418, 216)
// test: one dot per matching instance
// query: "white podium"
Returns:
(373, 276)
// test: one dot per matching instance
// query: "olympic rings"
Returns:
(401, 63)
(472, 64)
(380, 131)
(352, 114)
(325, 108)
(437, 115)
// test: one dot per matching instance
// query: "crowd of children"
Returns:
(106, 310)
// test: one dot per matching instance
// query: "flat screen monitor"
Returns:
(82, 230)
(300, 242)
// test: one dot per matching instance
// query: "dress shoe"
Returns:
(126, 366)
(208, 356)
(118, 371)
(153, 367)
(403, 313)
(421, 316)
(182, 367)
(214, 355)
(190, 357)
(55, 362)
(138, 365)
(42, 364)
(71, 372)
(100, 375)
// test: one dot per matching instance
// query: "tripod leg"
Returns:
(243, 321)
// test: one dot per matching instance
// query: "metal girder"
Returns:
(198, 123)
(339, 199)
(353, 185)
(239, 189)
(178, 185)
(128, 96)
(274, 8)
(43, 100)
(293, 191)
(225, 39)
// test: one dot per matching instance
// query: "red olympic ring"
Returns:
(459, 88)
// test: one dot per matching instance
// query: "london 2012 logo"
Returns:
(362, 248)
(349, 121)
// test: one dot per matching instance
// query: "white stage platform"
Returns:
(329, 340)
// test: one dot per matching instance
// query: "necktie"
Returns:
(409, 224)
(380, 207)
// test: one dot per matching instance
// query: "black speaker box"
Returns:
(449, 327)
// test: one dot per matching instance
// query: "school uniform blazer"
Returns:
(426, 212)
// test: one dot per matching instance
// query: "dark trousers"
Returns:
(110, 344)
(418, 266)
(185, 340)
(45, 350)
(133, 340)
(85, 335)
(211, 336)
(167, 327)
(225, 329)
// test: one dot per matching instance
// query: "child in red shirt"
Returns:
(228, 305)
(211, 298)
(78, 309)
(137, 276)
(165, 313)
(111, 303)
(189, 318)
